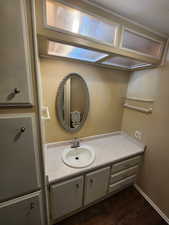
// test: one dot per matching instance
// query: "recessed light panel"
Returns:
(68, 51)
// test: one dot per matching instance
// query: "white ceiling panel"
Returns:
(151, 13)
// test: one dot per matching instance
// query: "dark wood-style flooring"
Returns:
(125, 208)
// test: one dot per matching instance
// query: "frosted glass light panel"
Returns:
(141, 44)
(123, 62)
(62, 17)
(68, 51)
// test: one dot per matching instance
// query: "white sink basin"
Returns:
(79, 157)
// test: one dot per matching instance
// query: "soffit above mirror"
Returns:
(90, 37)
(69, 52)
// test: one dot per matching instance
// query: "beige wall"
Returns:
(143, 84)
(154, 176)
(106, 87)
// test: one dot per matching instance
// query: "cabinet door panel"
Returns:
(66, 197)
(96, 185)
(15, 69)
(22, 211)
(19, 173)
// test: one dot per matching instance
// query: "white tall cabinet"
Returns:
(21, 178)
(15, 59)
(19, 160)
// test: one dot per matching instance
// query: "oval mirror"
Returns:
(72, 102)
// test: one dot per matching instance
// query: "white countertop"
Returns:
(109, 148)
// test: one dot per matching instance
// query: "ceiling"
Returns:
(151, 13)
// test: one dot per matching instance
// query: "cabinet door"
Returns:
(19, 167)
(96, 185)
(15, 68)
(26, 210)
(66, 197)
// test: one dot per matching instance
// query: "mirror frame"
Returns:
(58, 100)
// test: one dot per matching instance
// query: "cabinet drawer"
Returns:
(122, 184)
(66, 197)
(26, 210)
(123, 174)
(125, 164)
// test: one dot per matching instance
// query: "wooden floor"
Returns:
(125, 208)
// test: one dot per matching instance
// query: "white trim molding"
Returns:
(140, 99)
(139, 109)
(148, 199)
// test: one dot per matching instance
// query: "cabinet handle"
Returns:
(17, 91)
(32, 205)
(77, 185)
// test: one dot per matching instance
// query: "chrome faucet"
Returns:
(75, 143)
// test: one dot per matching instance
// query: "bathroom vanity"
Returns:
(117, 160)
(60, 80)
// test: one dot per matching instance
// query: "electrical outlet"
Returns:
(138, 135)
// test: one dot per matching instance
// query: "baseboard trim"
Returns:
(152, 203)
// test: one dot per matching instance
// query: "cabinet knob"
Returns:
(22, 130)
(77, 185)
(16, 91)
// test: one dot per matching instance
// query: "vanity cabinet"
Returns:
(66, 197)
(15, 69)
(75, 194)
(19, 163)
(96, 184)
(25, 210)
